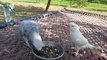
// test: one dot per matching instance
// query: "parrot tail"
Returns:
(95, 48)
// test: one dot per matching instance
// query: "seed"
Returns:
(50, 52)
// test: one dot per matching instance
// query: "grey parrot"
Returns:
(30, 31)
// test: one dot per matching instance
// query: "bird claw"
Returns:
(76, 54)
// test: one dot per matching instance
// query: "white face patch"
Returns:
(74, 27)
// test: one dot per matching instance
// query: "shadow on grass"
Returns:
(101, 10)
(59, 5)
(22, 11)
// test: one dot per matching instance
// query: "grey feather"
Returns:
(30, 30)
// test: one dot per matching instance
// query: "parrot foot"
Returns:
(76, 54)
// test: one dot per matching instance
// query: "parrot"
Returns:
(30, 31)
(78, 39)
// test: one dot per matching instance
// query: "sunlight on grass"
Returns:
(29, 1)
(96, 7)
(90, 6)
(26, 8)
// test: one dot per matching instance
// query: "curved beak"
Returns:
(67, 25)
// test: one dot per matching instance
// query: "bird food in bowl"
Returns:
(51, 51)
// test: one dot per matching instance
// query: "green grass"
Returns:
(23, 11)
(90, 6)
(96, 7)
(28, 1)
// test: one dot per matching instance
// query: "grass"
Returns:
(96, 7)
(90, 6)
(29, 1)
(27, 8)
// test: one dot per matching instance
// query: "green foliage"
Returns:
(94, 1)
(103, 1)
(81, 3)
(78, 3)
(5, 4)
(98, 1)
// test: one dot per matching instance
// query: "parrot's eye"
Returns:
(72, 25)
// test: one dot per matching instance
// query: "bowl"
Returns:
(3, 25)
(50, 44)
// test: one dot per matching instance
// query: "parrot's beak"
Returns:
(67, 25)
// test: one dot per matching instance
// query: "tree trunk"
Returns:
(48, 4)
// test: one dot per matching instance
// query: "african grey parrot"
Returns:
(29, 30)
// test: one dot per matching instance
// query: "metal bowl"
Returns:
(53, 44)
